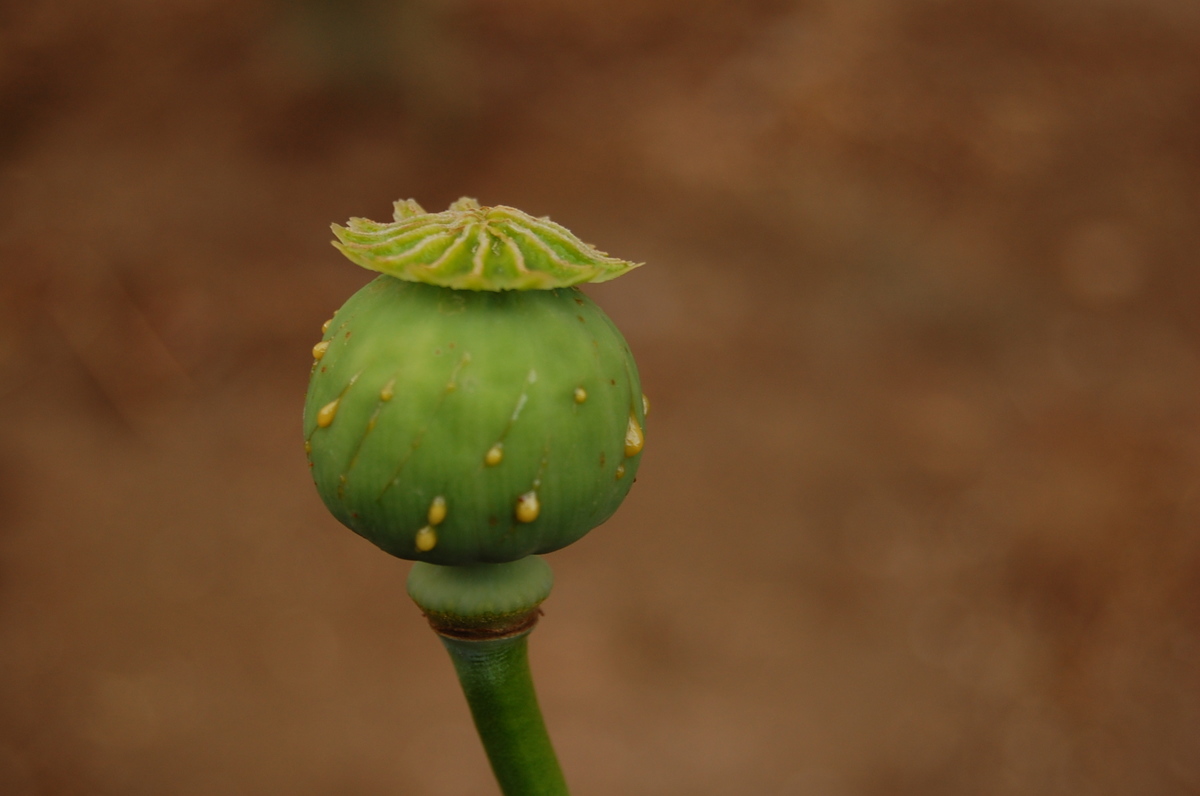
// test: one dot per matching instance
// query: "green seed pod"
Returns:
(469, 405)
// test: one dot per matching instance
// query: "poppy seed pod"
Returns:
(469, 405)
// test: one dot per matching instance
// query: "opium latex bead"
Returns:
(451, 407)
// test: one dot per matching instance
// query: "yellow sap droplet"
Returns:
(528, 507)
(634, 439)
(307, 446)
(325, 326)
(426, 539)
(580, 395)
(620, 471)
(645, 406)
(388, 392)
(320, 348)
(494, 455)
(437, 510)
(327, 413)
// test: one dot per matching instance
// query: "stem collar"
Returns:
(481, 601)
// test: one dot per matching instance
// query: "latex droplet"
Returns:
(426, 539)
(327, 413)
(645, 406)
(437, 510)
(634, 439)
(307, 446)
(528, 507)
(320, 348)
(580, 395)
(620, 471)
(325, 326)
(388, 392)
(495, 455)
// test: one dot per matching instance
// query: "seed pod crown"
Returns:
(456, 424)
(470, 247)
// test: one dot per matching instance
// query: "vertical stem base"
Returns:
(495, 678)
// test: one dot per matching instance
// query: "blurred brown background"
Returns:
(920, 505)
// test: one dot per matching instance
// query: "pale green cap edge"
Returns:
(471, 247)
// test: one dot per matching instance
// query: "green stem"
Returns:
(483, 614)
(495, 677)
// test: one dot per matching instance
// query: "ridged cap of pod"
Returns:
(471, 247)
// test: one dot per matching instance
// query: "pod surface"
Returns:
(457, 427)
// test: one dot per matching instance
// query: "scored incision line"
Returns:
(528, 506)
(341, 395)
(338, 331)
(537, 478)
(522, 399)
(371, 422)
(451, 386)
